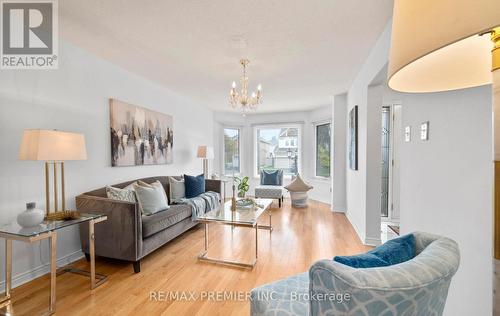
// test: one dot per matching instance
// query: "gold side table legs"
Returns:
(53, 269)
(5, 301)
(8, 268)
(96, 279)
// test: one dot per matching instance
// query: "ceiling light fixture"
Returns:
(243, 100)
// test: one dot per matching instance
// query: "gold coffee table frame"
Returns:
(51, 234)
(239, 218)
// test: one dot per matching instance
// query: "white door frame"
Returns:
(394, 154)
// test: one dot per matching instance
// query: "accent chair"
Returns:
(271, 185)
(415, 287)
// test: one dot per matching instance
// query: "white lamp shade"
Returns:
(51, 145)
(435, 44)
(205, 152)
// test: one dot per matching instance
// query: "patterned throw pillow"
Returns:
(194, 185)
(177, 189)
(126, 194)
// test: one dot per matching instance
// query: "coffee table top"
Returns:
(242, 216)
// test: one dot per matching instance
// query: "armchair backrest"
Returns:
(417, 287)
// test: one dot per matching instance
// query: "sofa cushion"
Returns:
(157, 222)
(394, 251)
(194, 185)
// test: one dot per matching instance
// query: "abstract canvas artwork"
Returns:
(139, 136)
(353, 138)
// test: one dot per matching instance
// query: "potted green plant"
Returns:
(242, 185)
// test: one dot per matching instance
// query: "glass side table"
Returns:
(48, 230)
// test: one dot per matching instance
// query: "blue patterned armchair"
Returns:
(415, 287)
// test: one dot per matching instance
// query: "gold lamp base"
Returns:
(62, 215)
(57, 214)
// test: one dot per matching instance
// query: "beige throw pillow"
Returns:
(151, 198)
(177, 189)
(154, 184)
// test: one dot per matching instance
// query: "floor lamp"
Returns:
(444, 45)
(53, 147)
(205, 153)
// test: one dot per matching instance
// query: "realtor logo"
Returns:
(29, 34)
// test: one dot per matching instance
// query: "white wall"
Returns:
(306, 119)
(75, 98)
(357, 187)
(339, 112)
(446, 186)
(373, 163)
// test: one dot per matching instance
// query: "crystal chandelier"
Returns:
(242, 100)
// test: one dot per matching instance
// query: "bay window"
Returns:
(278, 148)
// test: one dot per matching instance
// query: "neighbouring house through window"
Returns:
(231, 151)
(278, 148)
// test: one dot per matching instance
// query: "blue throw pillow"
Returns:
(394, 251)
(271, 177)
(194, 185)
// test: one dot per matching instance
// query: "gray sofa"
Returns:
(127, 235)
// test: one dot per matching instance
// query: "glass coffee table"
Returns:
(48, 230)
(242, 217)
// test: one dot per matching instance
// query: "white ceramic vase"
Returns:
(31, 217)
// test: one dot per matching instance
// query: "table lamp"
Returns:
(442, 45)
(54, 147)
(205, 152)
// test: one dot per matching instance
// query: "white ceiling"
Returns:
(302, 51)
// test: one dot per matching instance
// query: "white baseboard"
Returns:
(368, 241)
(353, 224)
(339, 209)
(32, 274)
(372, 241)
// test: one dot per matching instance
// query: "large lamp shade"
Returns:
(441, 45)
(52, 145)
(436, 44)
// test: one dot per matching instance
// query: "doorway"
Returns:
(390, 144)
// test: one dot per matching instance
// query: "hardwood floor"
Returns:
(300, 237)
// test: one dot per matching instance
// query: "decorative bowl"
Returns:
(244, 203)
